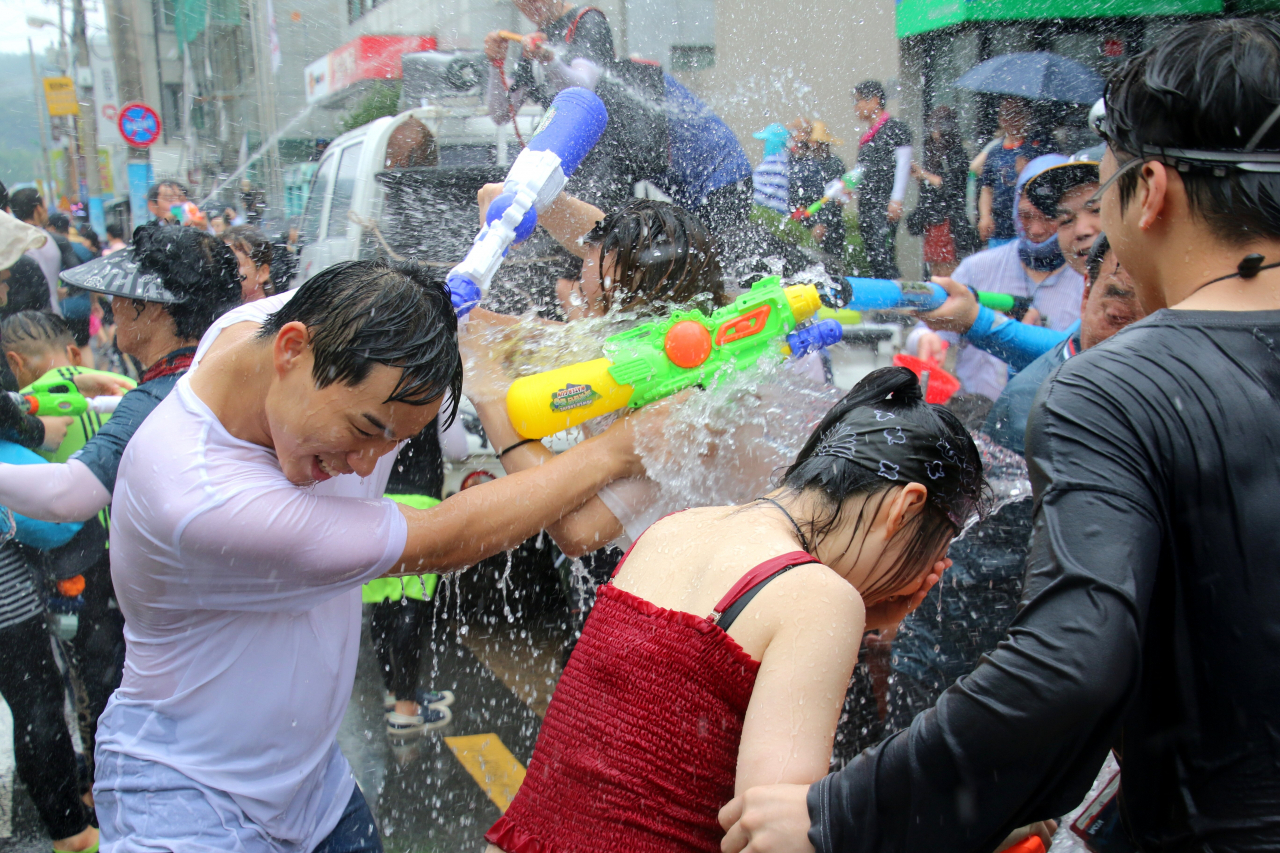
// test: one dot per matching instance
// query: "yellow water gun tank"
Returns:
(551, 402)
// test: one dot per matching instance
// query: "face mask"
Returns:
(1041, 257)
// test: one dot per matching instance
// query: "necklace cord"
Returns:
(804, 540)
(1248, 268)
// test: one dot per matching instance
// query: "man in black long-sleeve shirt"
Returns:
(1151, 616)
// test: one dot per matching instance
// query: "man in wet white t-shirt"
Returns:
(246, 515)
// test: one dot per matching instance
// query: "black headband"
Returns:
(867, 438)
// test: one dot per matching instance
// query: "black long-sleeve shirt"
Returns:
(1150, 620)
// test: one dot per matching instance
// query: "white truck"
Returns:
(347, 214)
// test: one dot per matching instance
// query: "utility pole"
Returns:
(46, 171)
(127, 52)
(87, 120)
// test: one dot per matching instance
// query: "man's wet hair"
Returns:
(59, 221)
(1208, 86)
(1097, 254)
(662, 253)
(193, 265)
(396, 313)
(23, 203)
(33, 333)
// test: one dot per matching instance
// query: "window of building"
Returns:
(168, 13)
(171, 109)
(692, 57)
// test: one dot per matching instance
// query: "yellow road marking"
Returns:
(491, 764)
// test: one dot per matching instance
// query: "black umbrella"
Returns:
(1038, 76)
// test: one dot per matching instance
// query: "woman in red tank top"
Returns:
(718, 656)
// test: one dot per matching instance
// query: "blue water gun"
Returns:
(883, 294)
(569, 130)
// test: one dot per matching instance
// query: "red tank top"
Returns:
(639, 748)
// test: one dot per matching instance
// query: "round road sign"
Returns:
(139, 124)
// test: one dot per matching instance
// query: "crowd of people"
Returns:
(262, 458)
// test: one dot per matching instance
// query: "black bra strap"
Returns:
(734, 610)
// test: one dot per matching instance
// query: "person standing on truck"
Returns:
(651, 114)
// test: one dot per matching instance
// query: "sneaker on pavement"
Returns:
(404, 726)
(439, 698)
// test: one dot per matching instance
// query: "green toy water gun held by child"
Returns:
(666, 355)
(53, 396)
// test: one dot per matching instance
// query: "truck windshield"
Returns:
(344, 189)
(309, 231)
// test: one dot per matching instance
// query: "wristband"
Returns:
(521, 443)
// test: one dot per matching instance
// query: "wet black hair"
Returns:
(29, 332)
(23, 203)
(193, 265)
(254, 243)
(663, 253)
(91, 237)
(869, 89)
(59, 221)
(891, 397)
(251, 241)
(114, 231)
(1207, 86)
(362, 313)
(1097, 254)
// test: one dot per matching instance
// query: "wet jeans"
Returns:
(356, 832)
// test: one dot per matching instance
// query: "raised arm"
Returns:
(588, 527)
(568, 219)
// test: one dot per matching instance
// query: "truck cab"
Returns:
(444, 125)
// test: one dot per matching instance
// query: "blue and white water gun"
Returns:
(569, 130)
(882, 294)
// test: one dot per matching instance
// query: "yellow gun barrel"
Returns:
(550, 402)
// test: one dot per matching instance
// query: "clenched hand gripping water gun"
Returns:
(188, 213)
(53, 396)
(846, 183)
(882, 294)
(661, 357)
(570, 129)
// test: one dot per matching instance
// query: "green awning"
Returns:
(922, 16)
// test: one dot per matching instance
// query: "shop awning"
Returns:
(921, 16)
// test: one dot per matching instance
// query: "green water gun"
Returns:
(663, 356)
(846, 183)
(52, 396)
(55, 396)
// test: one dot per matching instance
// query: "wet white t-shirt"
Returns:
(241, 597)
